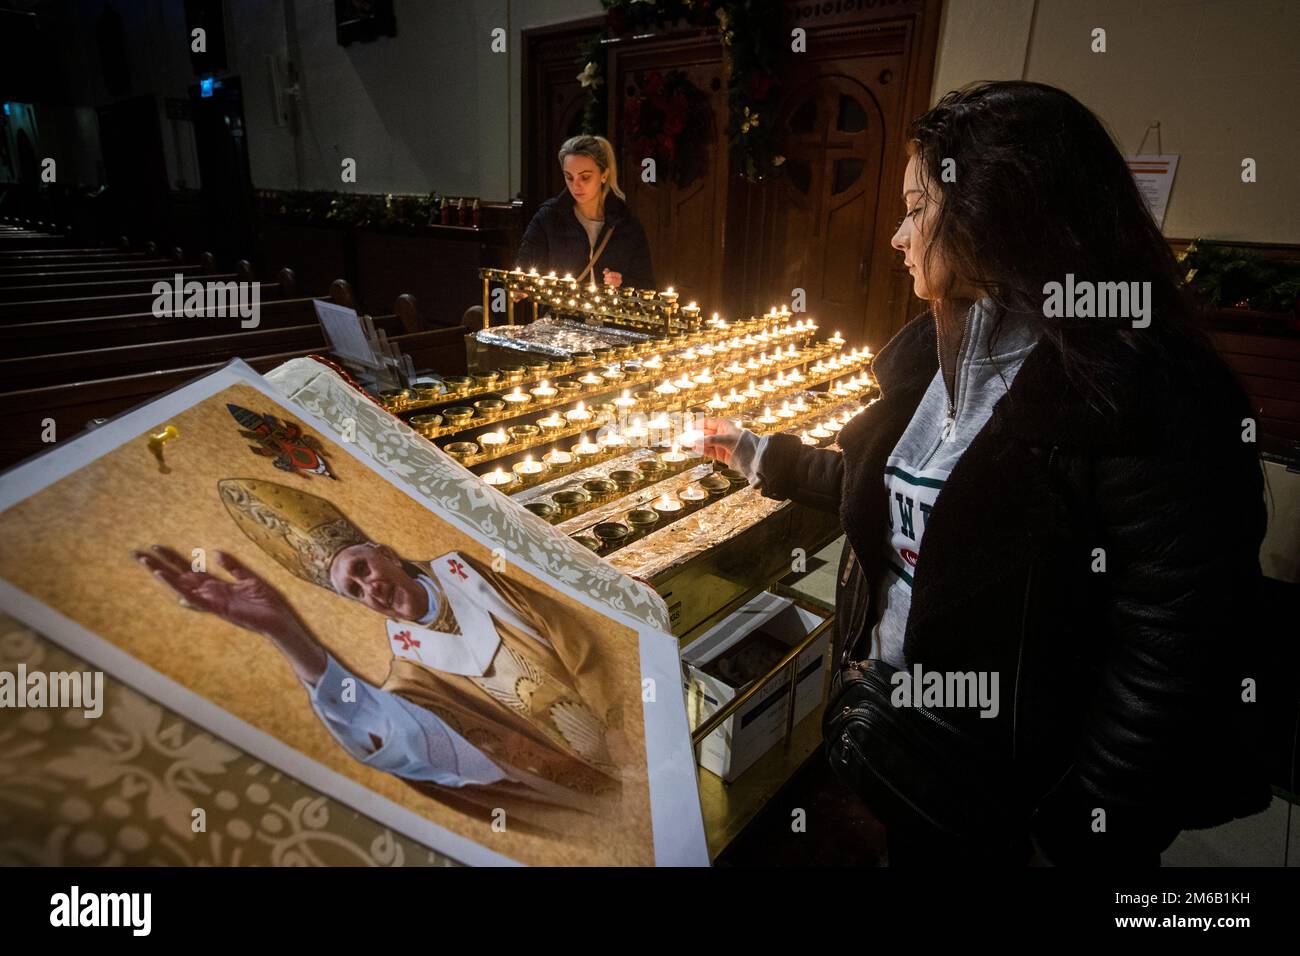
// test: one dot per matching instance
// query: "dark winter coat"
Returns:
(1121, 689)
(555, 240)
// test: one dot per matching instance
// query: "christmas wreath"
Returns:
(669, 120)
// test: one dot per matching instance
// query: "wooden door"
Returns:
(819, 235)
(823, 224)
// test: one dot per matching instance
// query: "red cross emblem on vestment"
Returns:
(457, 568)
(404, 638)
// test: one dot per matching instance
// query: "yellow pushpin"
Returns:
(157, 441)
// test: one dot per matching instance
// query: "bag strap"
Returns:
(596, 254)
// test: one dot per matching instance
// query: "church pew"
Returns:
(134, 285)
(16, 257)
(23, 412)
(63, 367)
(99, 332)
(91, 332)
(14, 241)
(70, 307)
(105, 272)
(60, 267)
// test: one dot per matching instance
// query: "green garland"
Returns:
(1225, 276)
(325, 208)
(750, 33)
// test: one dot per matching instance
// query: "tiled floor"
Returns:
(842, 832)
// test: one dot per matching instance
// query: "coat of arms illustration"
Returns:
(285, 442)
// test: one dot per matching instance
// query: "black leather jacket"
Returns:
(555, 240)
(1121, 689)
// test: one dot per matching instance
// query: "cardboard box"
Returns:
(739, 649)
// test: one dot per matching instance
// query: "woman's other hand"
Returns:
(613, 278)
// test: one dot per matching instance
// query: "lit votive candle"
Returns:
(667, 506)
(689, 438)
(832, 425)
(493, 442)
(692, 495)
(658, 429)
(556, 458)
(553, 422)
(800, 405)
(636, 433)
(585, 448)
(767, 418)
(752, 392)
(543, 392)
(836, 339)
(806, 438)
(654, 362)
(786, 411)
(591, 378)
(517, 399)
(528, 469)
(578, 415)
(766, 386)
(610, 439)
(795, 376)
(753, 364)
(667, 388)
(735, 368)
(717, 403)
(674, 457)
(625, 402)
(499, 478)
(703, 379)
(684, 384)
(820, 433)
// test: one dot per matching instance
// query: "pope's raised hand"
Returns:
(246, 601)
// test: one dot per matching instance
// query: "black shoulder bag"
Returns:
(909, 765)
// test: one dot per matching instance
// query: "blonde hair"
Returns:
(599, 150)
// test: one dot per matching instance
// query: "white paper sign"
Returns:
(1155, 179)
(346, 334)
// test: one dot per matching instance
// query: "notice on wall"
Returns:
(1155, 180)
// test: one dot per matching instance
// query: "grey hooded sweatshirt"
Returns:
(926, 454)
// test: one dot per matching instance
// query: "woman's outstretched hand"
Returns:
(719, 439)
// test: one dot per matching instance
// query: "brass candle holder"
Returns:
(641, 521)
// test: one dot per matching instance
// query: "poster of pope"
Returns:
(437, 658)
(487, 700)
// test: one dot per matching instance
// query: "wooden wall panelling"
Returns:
(686, 227)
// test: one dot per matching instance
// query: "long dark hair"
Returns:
(1040, 190)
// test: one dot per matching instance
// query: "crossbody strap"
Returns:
(596, 254)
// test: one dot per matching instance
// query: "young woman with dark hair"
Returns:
(1075, 457)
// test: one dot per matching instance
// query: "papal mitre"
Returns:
(302, 531)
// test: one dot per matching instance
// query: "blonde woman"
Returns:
(588, 231)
